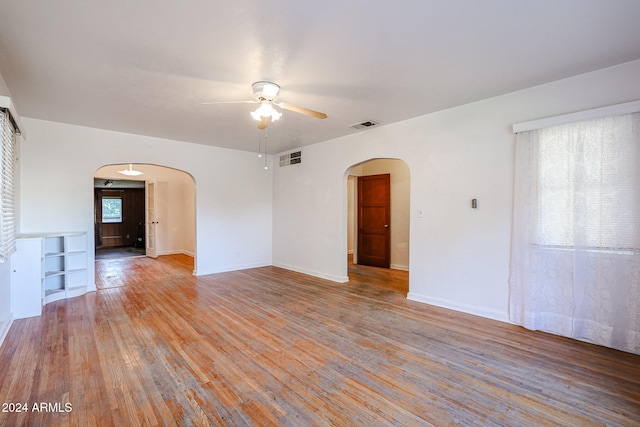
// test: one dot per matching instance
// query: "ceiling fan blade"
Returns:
(302, 110)
(228, 102)
(263, 123)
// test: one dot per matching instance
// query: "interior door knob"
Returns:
(386, 226)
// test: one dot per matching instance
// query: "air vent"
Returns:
(291, 158)
(363, 125)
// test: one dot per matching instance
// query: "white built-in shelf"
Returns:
(62, 272)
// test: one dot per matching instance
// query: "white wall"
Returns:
(177, 214)
(4, 90)
(6, 311)
(459, 257)
(233, 191)
(188, 210)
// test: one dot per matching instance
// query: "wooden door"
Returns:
(374, 219)
(151, 220)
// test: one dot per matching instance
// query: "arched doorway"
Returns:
(399, 174)
(172, 204)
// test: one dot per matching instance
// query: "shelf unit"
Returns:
(62, 272)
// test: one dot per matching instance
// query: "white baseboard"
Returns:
(285, 266)
(4, 329)
(225, 269)
(399, 267)
(339, 279)
(464, 308)
(178, 252)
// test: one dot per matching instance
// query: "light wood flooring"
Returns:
(266, 346)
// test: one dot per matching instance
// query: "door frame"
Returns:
(400, 209)
(150, 219)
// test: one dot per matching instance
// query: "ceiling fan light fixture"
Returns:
(130, 171)
(266, 110)
(270, 89)
(275, 115)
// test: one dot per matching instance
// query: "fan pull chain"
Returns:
(265, 151)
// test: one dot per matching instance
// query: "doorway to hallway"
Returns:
(150, 214)
(397, 220)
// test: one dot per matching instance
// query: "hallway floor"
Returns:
(119, 252)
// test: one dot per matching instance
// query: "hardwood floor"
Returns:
(266, 346)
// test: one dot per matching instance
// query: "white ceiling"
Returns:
(145, 66)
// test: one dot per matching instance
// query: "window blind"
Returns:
(7, 196)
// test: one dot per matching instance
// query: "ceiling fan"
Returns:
(266, 94)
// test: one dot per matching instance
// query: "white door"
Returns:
(151, 220)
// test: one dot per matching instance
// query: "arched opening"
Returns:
(152, 213)
(397, 220)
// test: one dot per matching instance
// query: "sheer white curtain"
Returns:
(575, 261)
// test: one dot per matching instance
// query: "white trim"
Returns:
(339, 279)
(399, 267)
(176, 252)
(5, 331)
(464, 308)
(228, 268)
(611, 110)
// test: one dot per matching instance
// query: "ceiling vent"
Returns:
(291, 158)
(363, 125)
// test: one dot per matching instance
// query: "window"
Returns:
(587, 183)
(575, 248)
(111, 209)
(7, 175)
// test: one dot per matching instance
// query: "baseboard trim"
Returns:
(399, 267)
(464, 308)
(338, 279)
(226, 269)
(177, 252)
(5, 331)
